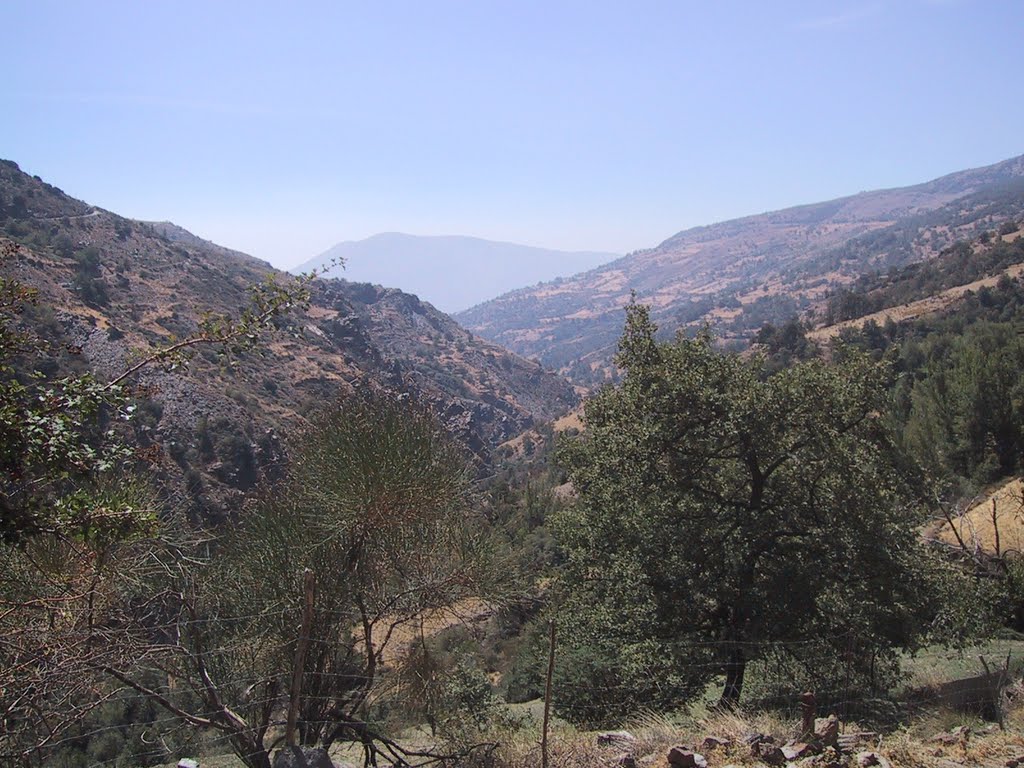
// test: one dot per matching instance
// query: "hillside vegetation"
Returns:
(108, 286)
(312, 525)
(739, 274)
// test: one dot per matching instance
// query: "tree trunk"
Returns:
(252, 754)
(735, 668)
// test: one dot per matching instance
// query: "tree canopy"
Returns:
(369, 533)
(726, 514)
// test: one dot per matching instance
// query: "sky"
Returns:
(280, 129)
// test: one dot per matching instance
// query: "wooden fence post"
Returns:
(308, 588)
(547, 697)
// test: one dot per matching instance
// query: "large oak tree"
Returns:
(726, 513)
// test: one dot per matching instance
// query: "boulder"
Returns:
(611, 738)
(826, 730)
(771, 755)
(756, 739)
(711, 743)
(681, 757)
(869, 759)
(798, 750)
(302, 757)
(956, 736)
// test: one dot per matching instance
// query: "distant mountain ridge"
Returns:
(741, 273)
(109, 285)
(452, 272)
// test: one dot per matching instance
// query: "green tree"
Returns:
(966, 416)
(75, 517)
(375, 509)
(725, 514)
(57, 433)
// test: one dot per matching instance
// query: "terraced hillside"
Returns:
(739, 274)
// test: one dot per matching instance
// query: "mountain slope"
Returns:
(451, 272)
(738, 274)
(109, 285)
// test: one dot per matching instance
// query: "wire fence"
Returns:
(73, 662)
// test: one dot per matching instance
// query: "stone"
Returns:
(826, 730)
(868, 759)
(302, 757)
(609, 738)
(714, 742)
(958, 736)
(772, 755)
(681, 757)
(798, 750)
(756, 739)
(188, 762)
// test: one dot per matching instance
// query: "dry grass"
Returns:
(917, 746)
(404, 633)
(977, 528)
(983, 745)
(571, 420)
(515, 448)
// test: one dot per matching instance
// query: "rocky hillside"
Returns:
(740, 274)
(110, 286)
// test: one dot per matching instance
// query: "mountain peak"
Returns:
(452, 272)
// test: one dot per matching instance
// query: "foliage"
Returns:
(957, 399)
(785, 344)
(966, 412)
(374, 508)
(59, 623)
(957, 265)
(75, 516)
(56, 437)
(725, 513)
(59, 434)
(443, 683)
(958, 402)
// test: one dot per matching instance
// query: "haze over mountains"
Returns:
(742, 273)
(453, 273)
(735, 275)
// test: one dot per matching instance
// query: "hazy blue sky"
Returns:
(282, 128)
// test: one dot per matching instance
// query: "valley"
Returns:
(737, 518)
